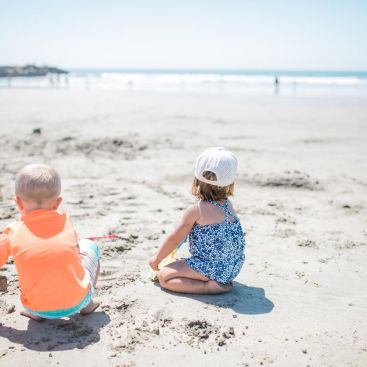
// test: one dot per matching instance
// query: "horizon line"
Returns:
(211, 69)
(206, 69)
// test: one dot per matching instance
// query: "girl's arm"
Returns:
(189, 218)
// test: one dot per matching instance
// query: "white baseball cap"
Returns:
(219, 161)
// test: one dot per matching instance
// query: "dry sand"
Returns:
(126, 160)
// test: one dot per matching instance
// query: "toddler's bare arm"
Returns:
(175, 238)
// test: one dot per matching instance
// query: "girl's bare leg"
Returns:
(179, 277)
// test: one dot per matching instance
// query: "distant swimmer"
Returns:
(276, 85)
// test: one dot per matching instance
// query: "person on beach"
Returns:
(57, 273)
(216, 238)
(276, 85)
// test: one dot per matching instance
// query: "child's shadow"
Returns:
(242, 299)
(62, 334)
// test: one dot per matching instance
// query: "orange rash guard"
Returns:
(43, 244)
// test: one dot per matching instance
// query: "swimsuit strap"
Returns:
(224, 207)
(215, 203)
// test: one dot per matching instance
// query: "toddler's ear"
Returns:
(19, 202)
(57, 203)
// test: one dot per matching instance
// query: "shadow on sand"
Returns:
(62, 334)
(242, 299)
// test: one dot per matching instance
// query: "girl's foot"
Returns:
(32, 317)
(90, 308)
(215, 287)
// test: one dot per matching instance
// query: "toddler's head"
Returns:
(215, 173)
(37, 186)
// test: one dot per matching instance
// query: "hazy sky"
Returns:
(231, 34)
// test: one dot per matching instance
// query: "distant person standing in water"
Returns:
(276, 85)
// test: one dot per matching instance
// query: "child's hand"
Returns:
(154, 262)
(176, 237)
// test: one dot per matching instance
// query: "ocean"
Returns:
(254, 82)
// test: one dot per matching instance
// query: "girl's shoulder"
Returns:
(204, 205)
(192, 213)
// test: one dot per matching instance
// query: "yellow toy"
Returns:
(178, 253)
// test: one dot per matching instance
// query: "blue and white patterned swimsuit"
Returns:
(217, 249)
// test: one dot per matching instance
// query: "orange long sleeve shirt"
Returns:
(43, 244)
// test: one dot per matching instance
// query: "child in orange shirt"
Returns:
(57, 273)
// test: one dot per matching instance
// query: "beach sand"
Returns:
(126, 160)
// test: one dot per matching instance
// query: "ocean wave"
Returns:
(112, 77)
(200, 82)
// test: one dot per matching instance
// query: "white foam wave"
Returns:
(196, 82)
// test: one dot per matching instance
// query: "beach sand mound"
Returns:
(125, 147)
(286, 179)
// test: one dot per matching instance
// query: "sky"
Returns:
(185, 34)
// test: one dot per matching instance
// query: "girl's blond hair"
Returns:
(207, 192)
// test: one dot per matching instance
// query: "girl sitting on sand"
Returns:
(216, 238)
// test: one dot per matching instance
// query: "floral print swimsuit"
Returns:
(217, 250)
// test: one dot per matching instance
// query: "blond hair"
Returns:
(208, 192)
(37, 182)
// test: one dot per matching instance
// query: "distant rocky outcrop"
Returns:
(29, 71)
